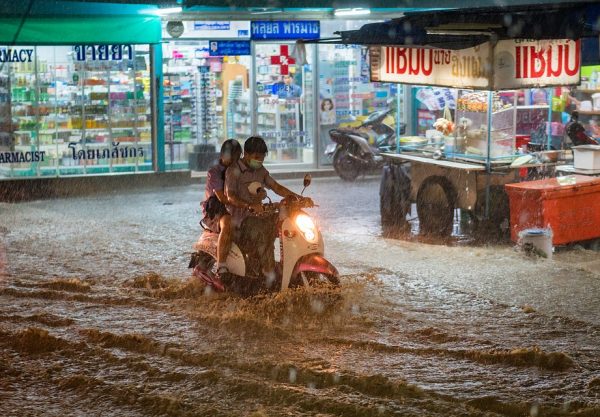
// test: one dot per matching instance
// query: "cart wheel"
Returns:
(394, 199)
(497, 224)
(346, 166)
(436, 200)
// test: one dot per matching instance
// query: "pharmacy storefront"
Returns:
(76, 96)
(232, 79)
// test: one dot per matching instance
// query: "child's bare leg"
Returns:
(224, 242)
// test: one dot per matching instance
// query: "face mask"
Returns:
(254, 164)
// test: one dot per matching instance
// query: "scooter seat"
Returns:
(206, 241)
(348, 131)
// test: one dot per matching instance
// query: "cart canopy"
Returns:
(462, 29)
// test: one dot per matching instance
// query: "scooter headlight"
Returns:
(307, 227)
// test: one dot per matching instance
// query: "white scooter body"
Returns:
(294, 247)
(297, 253)
(207, 242)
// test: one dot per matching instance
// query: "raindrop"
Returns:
(292, 375)
(208, 291)
(311, 385)
(381, 409)
(270, 279)
(355, 309)
(407, 27)
(336, 378)
(534, 411)
(317, 306)
(507, 19)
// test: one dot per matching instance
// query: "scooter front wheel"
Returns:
(317, 279)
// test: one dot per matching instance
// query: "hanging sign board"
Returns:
(523, 64)
(211, 30)
(510, 64)
(229, 48)
(285, 30)
(465, 68)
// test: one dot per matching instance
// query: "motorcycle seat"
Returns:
(348, 131)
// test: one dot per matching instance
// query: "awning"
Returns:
(430, 4)
(459, 29)
(56, 22)
(81, 30)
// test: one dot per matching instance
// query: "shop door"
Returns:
(285, 102)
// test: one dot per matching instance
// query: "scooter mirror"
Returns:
(307, 180)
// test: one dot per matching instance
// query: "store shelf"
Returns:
(501, 111)
(59, 130)
(536, 106)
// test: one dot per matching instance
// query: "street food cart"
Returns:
(466, 162)
(487, 55)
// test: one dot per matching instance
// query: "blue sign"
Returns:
(212, 25)
(288, 29)
(228, 48)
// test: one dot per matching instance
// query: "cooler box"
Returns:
(586, 157)
(570, 206)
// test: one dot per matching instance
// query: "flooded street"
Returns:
(99, 316)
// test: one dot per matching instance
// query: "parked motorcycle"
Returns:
(301, 253)
(357, 150)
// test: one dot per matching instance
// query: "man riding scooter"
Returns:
(254, 230)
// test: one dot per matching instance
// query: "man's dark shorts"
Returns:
(257, 235)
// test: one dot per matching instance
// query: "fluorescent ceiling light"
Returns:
(167, 10)
(265, 11)
(352, 12)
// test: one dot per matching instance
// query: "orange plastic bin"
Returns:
(569, 205)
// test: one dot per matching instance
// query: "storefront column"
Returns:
(158, 118)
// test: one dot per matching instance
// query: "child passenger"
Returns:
(216, 217)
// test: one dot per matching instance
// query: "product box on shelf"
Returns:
(587, 157)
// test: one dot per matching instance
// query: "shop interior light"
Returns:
(168, 10)
(352, 12)
(265, 10)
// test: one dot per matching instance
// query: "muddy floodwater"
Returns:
(99, 317)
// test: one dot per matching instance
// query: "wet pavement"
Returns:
(99, 316)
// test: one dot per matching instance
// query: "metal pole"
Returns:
(315, 108)
(488, 162)
(399, 92)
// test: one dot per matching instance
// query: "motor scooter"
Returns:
(301, 248)
(357, 150)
